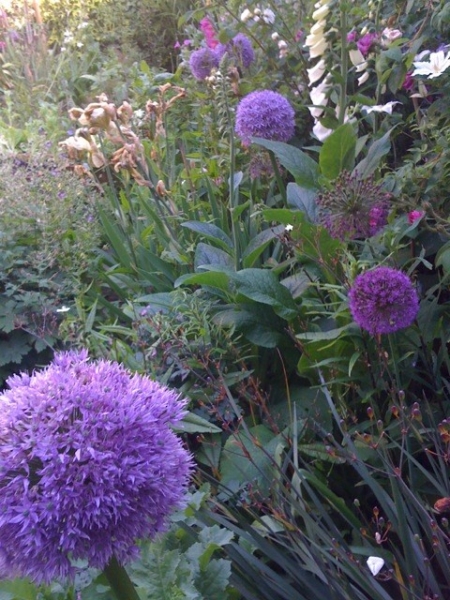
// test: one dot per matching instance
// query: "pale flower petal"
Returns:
(316, 72)
(375, 564)
(379, 108)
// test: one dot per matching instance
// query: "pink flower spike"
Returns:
(415, 215)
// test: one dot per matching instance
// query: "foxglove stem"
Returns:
(120, 581)
(344, 64)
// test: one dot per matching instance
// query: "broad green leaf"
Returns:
(210, 232)
(19, 589)
(260, 326)
(213, 581)
(262, 285)
(14, 348)
(338, 152)
(316, 336)
(376, 152)
(259, 243)
(304, 169)
(210, 255)
(216, 279)
(302, 199)
(443, 258)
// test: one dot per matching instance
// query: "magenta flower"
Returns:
(352, 36)
(365, 43)
(239, 48)
(265, 114)
(88, 465)
(415, 215)
(202, 62)
(209, 32)
(383, 300)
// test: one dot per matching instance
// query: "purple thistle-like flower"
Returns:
(202, 62)
(354, 208)
(239, 48)
(383, 300)
(88, 465)
(265, 114)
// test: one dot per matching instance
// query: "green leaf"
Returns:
(193, 423)
(302, 199)
(338, 152)
(213, 581)
(376, 152)
(216, 279)
(316, 336)
(262, 285)
(259, 243)
(209, 255)
(298, 163)
(257, 324)
(443, 258)
(19, 589)
(14, 348)
(210, 232)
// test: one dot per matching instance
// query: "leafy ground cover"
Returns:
(261, 224)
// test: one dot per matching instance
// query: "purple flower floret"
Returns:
(88, 465)
(383, 300)
(265, 114)
(202, 62)
(240, 48)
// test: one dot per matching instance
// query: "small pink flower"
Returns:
(408, 84)
(177, 45)
(352, 36)
(415, 215)
(365, 43)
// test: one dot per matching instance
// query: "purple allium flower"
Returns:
(239, 48)
(88, 465)
(265, 114)
(365, 43)
(354, 208)
(202, 61)
(383, 300)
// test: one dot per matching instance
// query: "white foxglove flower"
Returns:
(316, 72)
(321, 13)
(318, 49)
(375, 564)
(437, 64)
(364, 77)
(356, 57)
(321, 132)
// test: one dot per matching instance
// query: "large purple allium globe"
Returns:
(383, 300)
(265, 114)
(202, 62)
(239, 48)
(88, 465)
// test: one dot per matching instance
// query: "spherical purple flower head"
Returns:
(202, 62)
(88, 465)
(383, 300)
(239, 48)
(265, 114)
(354, 208)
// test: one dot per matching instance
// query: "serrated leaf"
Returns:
(15, 348)
(213, 581)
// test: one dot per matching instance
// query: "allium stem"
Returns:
(120, 581)
(344, 63)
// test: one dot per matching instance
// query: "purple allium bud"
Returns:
(265, 114)
(88, 465)
(239, 48)
(202, 61)
(354, 208)
(365, 43)
(383, 300)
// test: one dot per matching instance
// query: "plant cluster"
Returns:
(276, 247)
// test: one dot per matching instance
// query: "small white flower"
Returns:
(80, 44)
(438, 63)
(282, 44)
(63, 309)
(268, 16)
(246, 15)
(289, 227)
(379, 108)
(375, 564)
(391, 34)
(257, 11)
(275, 36)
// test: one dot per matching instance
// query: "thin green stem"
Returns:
(120, 581)
(344, 63)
